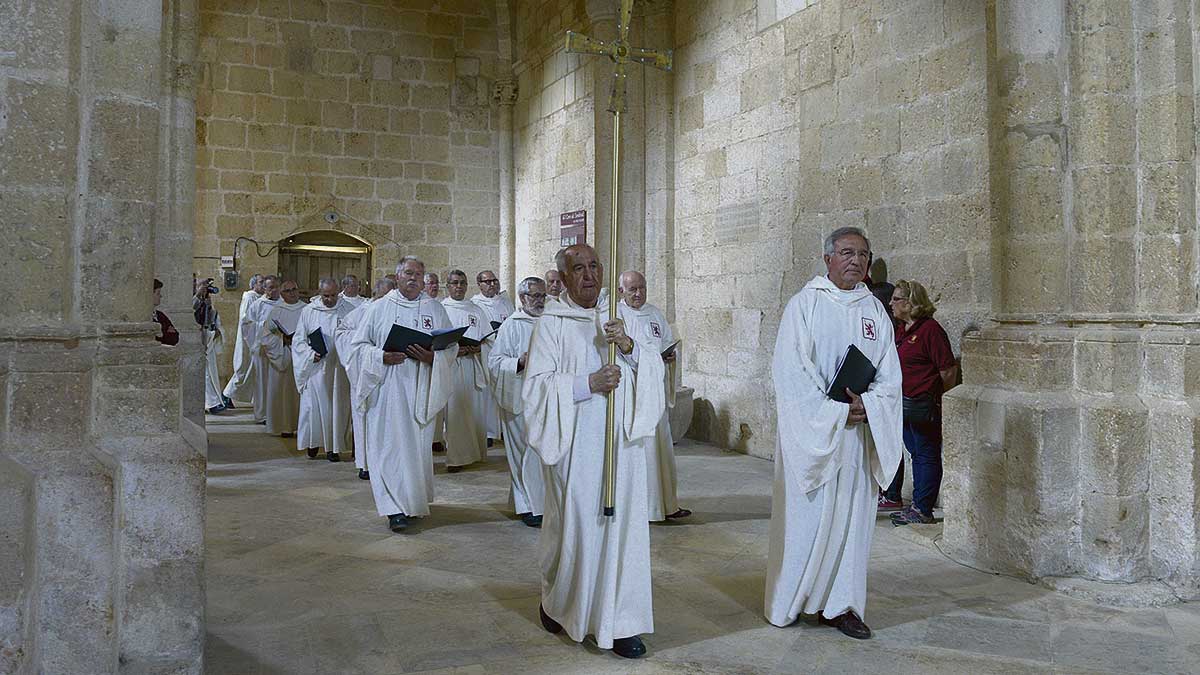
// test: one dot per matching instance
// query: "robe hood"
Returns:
(480, 297)
(567, 308)
(822, 284)
(320, 306)
(522, 315)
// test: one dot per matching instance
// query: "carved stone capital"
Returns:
(505, 92)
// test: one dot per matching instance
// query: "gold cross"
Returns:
(621, 54)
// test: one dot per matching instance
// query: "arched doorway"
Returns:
(309, 256)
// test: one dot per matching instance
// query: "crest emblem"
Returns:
(655, 330)
(868, 328)
(471, 321)
(427, 322)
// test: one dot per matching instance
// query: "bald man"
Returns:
(648, 323)
(554, 283)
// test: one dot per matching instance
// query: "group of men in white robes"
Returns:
(545, 375)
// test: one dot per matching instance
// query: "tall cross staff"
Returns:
(621, 54)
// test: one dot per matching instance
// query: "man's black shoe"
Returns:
(630, 647)
(312, 453)
(453, 469)
(849, 624)
(549, 624)
(333, 457)
(531, 520)
(228, 403)
(397, 522)
(363, 474)
(215, 409)
(491, 442)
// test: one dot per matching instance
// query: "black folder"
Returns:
(471, 342)
(496, 325)
(670, 350)
(316, 340)
(401, 337)
(855, 372)
(281, 329)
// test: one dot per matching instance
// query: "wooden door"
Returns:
(307, 268)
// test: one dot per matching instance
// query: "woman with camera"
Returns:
(929, 370)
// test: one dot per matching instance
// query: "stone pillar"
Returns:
(101, 484)
(505, 94)
(657, 32)
(1071, 451)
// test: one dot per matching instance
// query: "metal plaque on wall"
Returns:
(572, 227)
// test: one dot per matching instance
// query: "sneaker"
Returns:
(910, 516)
(886, 504)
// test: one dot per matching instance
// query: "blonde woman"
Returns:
(929, 370)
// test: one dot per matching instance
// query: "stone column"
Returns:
(1071, 450)
(505, 94)
(101, 487)
(658, 31)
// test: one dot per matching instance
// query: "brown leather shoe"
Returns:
(849, 624)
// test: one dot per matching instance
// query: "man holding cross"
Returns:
(595, 568)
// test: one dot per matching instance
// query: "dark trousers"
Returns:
(923, 440)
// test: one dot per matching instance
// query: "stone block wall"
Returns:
(1072, 449)
(868, 114)
(553, 130)
(101, 470)
(382, 112)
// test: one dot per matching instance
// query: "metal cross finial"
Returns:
(621, 54)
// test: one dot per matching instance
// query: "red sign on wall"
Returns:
(572, 228)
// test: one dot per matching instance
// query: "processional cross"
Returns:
(621, 54)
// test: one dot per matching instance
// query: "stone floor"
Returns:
(303, 577)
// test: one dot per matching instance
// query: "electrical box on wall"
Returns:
(227, 262)
(231, 279)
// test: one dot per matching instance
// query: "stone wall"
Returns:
(869, 114)
(381, 112)
(101, 471)
(554, 128)
(1071, 450)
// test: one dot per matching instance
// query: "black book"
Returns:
(471, 342)
(400, 338)
(281, 329)
(496, 325)
(316, 340)
(855, 372)
(670, 350)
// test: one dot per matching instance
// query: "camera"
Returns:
(208, 286)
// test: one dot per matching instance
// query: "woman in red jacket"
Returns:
(929, 370)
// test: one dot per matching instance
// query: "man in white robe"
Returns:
(647, 321)
(831, 458)
(554, 284)
(496, 307)
(400, 394)
(241, 383)
(256, 314)
(433, 290)
(275, 342)
(595, 568)
(348, 355)
(324, 388)
(466, 411)
(350, 291)
(506, 363)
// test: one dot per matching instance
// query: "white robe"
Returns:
(465, 414)
(661, 481)
(282, 399)
(400, 402)
(355, 301)
(256, 313)
(214, 344)
(496, 308)
(823, 510)
(527, 490)
(241, 384)
(324, 388)
(595, 569)
(348, 355)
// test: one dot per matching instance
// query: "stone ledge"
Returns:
(1138, 594)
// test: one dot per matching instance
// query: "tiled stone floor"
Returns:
(303, 577)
